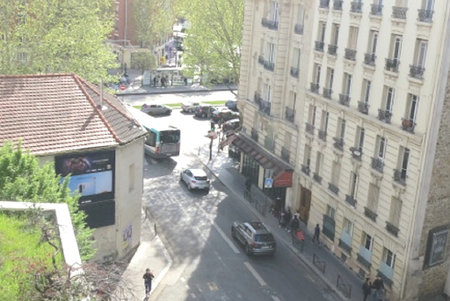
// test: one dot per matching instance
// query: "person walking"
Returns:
(316, 234)
(378, 289)
(294, 225)
(366, 288)
(148, 277)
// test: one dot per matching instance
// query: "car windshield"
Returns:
(264, 237)
(172, 136)
(204, 178)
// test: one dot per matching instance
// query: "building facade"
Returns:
(353, 96)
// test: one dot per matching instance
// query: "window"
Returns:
(131, 177)
(300, 15)
(347, 227)
(428, 4)
(341, 128)
(324, 121)
(411, 107)
(296, 58)
(366, 91)
(331, 212)
(352, 37)
(335, 172)
(321, 33)
(395, 211)
(404, 158)
(388, 98)
(274, 11)
(381, 147)
(312, 115)
(347, 84)
(319, 159)
(353, 184)
(267, 93)
(374, 193)
(270, 52)
(396, 45)
(388, 258)
(307, 157)
(335, 34)
(359, 138)
(329, 83)
(373, 39)
(367, 241)
(401, 3)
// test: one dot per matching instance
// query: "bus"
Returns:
(163, 140)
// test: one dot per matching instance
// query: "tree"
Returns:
(143, 61)
(22, 179)
(213, 40)
(56, 36)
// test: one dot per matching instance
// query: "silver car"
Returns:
(195, 179)
(255, 237)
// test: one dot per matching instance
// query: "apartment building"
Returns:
(350, 101)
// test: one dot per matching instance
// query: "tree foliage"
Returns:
(53, 36)
(213, 40)
(22, 179)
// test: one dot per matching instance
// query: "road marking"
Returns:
(255, 273)
(275, 298)
(212, 286)
(227, 240)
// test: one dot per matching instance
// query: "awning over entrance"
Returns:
(282, 170)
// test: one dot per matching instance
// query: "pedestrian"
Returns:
(378, 289)
(148, 276)
(282, 220)
(154, 81)
(366, 288)
(316, 234)
(295, 224)
(185, 81)
(288, 218)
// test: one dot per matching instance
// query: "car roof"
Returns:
(232, 121)
(257, 227)
(197, 171)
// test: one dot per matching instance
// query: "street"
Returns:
(195, 228)
(177, 97)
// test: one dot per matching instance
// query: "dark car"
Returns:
(255, 237)
(224, 114)
(156, 109)
(232, 105)
(231, 125)
(204, 111)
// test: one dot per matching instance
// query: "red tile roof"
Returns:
(57, 113)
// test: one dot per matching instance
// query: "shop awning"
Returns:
(282, 171)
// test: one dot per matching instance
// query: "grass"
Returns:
(177, 105)
(22, 254)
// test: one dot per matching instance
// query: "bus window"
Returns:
(170, 136)
(151, 139)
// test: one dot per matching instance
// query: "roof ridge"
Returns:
(78, 80)
(37, 75)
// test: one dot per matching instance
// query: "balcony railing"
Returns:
(338, 143)
(356, 7)
(344, 99)
(264, 107)
(350, 54)
(314, 88)
(344, 246)
(269, 65)
(322, 135)
(399, 12)
(289, 114)
(384, 115)
(294, 72)
(369, 59)
(350, 200)
(337, 4)
(377, 164)
(363, 107)
(376, 9)
(327, 93)
(318, 46)
(356, 152)
(425, 15)
(392, 64)
(317, 178)
(271, 24)
(364, 261)
(261, 59)
(254, 135)
(370, 213)
(324, 3)
(298, 28)
(333, 188)
(309, 128)
(400, 176)
(285, 154)
(332, 49)
(391, 228)
(416, 71)
(305, 169)
(408, 125)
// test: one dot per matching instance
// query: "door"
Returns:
(305, 204)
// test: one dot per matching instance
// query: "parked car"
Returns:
(156, 109)
(195, 179)
(204, 110)
(231, 125)
(255, 237)
(224, 114)
(232, 105)
(189, 107)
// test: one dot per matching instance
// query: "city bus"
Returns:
(163, 140)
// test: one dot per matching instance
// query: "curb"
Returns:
(164, 271)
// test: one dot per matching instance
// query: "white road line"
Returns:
(275, 298)
(227, 240)
(255, 274)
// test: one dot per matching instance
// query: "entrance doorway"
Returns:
(305, 204)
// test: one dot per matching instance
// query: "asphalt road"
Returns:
(195, 228)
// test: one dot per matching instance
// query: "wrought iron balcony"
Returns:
(350, 200)
(298, 29)
(317, 178)
(319, 45)
(254, 135)
(327, 93)
(399, 12)
(344, 246)
(322, 135)
(344, 99)
(338, 143)
(400, 176)
(264, 107)
(257, 98)
(332, 49)
(369, 59)
(363, 107)
(392, 229)
(392, 64)
(269, 65)
(289, 114)
(324, 3)
(309, 128)
(408, 125)
(305, 169)
(350, 54)
(377, 164)
(285, 154)
(425, 15)
(364, 261)
(384, 115)
(356, 152)
(370, 213)
(356, 7)
(294, 72)
(416, 71)
(333, 188)
(337, 4)
(271, 24)
(376, 9)
(261, 59)
(314, 88)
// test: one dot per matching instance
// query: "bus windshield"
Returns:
(170, 136)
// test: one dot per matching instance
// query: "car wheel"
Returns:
(248, 251)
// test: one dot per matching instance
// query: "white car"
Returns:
(189, 107)
(195, 178)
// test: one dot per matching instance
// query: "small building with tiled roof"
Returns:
(89, 134)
